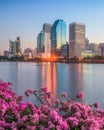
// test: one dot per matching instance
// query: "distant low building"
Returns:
(65, 50)
(87, 54)
(94, 48)
(27, 50)
(101, 46)
(34, 53)
(27, 54)
(6, 53)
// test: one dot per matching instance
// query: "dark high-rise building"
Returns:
(15, 47)
(18, 46)
(58, 36)
(76, 39)
(12, 47)
(6, 53)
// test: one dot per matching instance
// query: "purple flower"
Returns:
(48, 94)
(57, 101)
(55, 114)
(64, 95)
(44, 89)
(19, 98)
(80, 95)
(28, 92)
(96, 104)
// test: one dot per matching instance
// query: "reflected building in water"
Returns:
(76, 79)
(49, 77)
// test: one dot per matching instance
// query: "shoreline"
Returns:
(64, 61)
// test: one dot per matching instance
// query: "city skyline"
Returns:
(24, 18)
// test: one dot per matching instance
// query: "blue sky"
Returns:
(25, 18)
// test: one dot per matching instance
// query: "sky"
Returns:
(25, 18)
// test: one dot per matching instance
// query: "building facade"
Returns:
(86, 44)
(12, 47)
(15, 47)
(6, 53)
(94, 48)
(40, 42)
(76, 39)
(47, 27)
(65, 50)
(58, 36)
(18, 46)
(47, 37)
(101, 52)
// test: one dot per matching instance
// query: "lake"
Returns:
(57, 77)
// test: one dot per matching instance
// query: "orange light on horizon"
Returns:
(51, 58)
(80, 58)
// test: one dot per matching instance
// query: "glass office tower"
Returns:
(40, 42)
(58, 36)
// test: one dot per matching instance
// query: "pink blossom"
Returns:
(48, 94)
(96, 104)
(28, 92)
(64, 95)
(53, 114)
(57, 101)
(80, 95)
(23, 106)
(19, 98)
(44, 89)
(31, 127)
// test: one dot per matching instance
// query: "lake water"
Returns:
(58, 77)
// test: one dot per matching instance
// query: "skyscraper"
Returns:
(40, 42)
(47, 37)
(12, 47)
(18, 46)
(95, 48)
(86, 44)
(15, 47)
(47, 27)
(76, 39)
(58, 36)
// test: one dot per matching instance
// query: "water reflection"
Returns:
(49, 77)
(75, 79)
(58, 77)
(18, 89)
(54, 80)
(80, 80)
